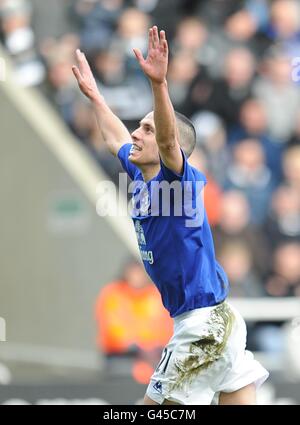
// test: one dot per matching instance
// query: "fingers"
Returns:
(139, 56)
(82, 62)
(155, 37)
(150, 40)
(77, 74)
(163, 42)
(157, 40)
(79, 57)
(162, 37)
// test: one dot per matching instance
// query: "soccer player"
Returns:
(205, 362)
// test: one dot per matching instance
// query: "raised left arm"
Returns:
(155, 67)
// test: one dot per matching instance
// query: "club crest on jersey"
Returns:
(145, 202)
(140, 233)
(140, 201)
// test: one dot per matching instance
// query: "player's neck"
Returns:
(149, 171)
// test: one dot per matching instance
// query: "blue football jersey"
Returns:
(174, 237)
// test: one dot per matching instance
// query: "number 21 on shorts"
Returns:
(163, 364)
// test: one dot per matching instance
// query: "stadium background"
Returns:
(234, 70)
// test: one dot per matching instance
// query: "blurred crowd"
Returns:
(132, 325)
(234, 70)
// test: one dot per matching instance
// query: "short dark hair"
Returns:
(187, 133)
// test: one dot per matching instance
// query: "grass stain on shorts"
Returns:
(208, 348)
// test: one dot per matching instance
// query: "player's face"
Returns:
(144, 149)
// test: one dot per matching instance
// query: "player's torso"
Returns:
(177, 249)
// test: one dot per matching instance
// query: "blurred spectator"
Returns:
(241, 26)
(291, 167)
(295, 139)
(283, 221)
(132, 31)
(19, 40)
(285, 25)
(199, 93)
(109, 67)
(250, 174)
(240, 31)
(254, 124)
(85, 127)
(182, 71)
(119, 87)
(124, 97)
(132, 323)
(215, 12)
(211, 137)
(236, 259)
(239, 70)
(247, 24)
(60, 87)
(146, 6)
(278, 93)
(97, 20)
(259, 10)
(284, 279)
(84, 124)
(165, 14)
(226, 96)
(235, 227)
(212, 192)
(191, 37)
(241, 19)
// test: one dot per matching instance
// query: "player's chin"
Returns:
(135, 158)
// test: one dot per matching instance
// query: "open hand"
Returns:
(155, 66)
(85, 78)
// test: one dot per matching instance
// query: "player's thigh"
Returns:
(148, 401)
(245, 395)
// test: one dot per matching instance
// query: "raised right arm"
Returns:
(114, 132)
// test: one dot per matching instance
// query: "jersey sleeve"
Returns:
(123, 155)
(189, 174)
(192, 184)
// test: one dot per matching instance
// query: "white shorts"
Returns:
(205, 356)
